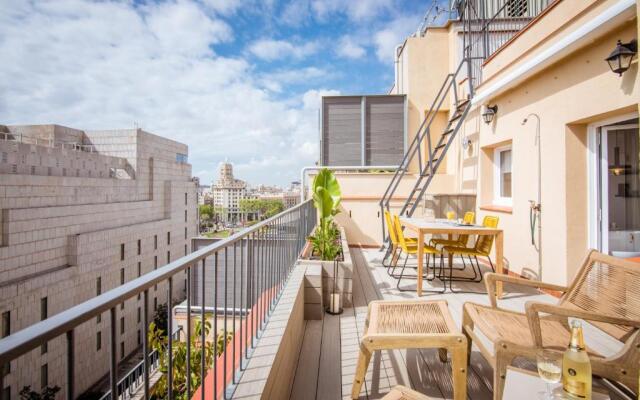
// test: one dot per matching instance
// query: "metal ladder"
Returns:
(428, 167)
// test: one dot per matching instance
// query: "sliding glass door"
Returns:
(619, 190)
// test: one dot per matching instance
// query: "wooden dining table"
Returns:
(423, 227)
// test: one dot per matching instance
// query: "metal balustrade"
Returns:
(256, 262)
(133, 380)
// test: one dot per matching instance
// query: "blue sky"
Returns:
(233, 79)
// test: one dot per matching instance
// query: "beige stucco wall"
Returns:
(567, 95)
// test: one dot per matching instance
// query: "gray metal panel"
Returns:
(363, 130)
(341, 125)
(385, 134)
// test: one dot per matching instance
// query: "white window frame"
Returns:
(497, 197)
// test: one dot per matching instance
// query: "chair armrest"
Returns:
(534, 308)
(491, 278)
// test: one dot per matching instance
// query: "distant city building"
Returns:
(289, 196)
(84, 212)
(227, 193)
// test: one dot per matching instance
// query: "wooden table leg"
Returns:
(459, 371)
(499, 262)
(420, 262)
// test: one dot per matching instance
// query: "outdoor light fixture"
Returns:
(489, 113)
(620, 58)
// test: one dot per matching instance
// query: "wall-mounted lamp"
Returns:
(466, 143)
(489, 113)
(620, 58)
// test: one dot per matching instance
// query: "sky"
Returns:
(239, 80)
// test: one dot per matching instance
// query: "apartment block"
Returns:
(83, 212)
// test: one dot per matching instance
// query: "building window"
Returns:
(139, 314)
(44, 376)
(185, 199)
(185, 215)
(155, 242)
(185, 233)
(517, 8)
(121, 251)
(155, 262)
(155, 304)
(121, 350)
(168, 238)
(139, 269)
(139, 338)
(139, 246)
(98, 341)
(185, 249)
(122, 325)
(122, 276)
(502, 176)
(168, 257)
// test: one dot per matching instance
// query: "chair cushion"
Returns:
(513, 327)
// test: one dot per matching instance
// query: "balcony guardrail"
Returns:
(262, 257)
(133, 380)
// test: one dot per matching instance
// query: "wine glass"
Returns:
(550, 370)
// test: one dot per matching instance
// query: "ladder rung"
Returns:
(438, 147)
(456, 116)
(447, 132)
(462, 104)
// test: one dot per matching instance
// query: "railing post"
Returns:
(70, 370)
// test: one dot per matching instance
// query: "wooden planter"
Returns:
(345, 272)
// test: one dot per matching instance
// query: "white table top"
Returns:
(442, 224)
(521, 385)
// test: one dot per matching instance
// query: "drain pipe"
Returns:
(305, 170)
(536, 207)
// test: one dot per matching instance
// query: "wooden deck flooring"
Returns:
(330, 347)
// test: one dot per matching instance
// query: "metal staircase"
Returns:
(434, 154)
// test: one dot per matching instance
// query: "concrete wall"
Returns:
(574, 90)
(60, 234)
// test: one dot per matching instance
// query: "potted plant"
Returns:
(327, 244)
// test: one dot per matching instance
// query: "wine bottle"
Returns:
(576, 367)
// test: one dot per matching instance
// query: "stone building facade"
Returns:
(83, 212)
(227, 193)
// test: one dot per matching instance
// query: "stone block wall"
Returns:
(62, 238)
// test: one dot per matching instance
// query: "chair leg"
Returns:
(393, 261)
(490, 263)
(467, 323)
(361, 370)
(395, 264)
(504, 358)
(402, 272)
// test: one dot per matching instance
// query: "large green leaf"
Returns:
(326, 193)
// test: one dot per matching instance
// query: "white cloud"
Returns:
(349, 48)
(392, 34)
(270, 49)
(73, 66)
(311, 98)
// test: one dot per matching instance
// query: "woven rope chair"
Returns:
(395, 246)
(605, 293)
(411, 248)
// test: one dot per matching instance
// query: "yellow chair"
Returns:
(412, 249)
(394, 242)
(482, 248)
(461, 240)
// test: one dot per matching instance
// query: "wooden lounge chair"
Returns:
(403, 393)
(605, 293)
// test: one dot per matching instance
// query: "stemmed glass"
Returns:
(550, 370)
